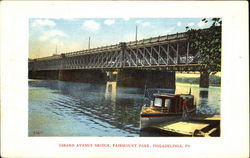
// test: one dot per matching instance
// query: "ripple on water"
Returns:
(78, 109)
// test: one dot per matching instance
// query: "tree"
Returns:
(208, 43)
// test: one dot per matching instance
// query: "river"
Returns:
(58, 108)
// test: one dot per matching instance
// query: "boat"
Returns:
(167, 107)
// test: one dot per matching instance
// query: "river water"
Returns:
(58, 108)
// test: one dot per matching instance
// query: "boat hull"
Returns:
(150, 120)
(147, 120)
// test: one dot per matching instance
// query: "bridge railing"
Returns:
(159, 39)
(93, 50)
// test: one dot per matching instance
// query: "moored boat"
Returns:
(166, 107)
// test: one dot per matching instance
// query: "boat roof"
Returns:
(186, 96)
(173, 95)
(164, 95)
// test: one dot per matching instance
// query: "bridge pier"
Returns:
(150, 78)
(124, 78)
(112, 76)
(204, 79)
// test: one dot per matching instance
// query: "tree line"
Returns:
(213, 80)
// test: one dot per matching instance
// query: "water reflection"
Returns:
(87, 105)
(111, 92)
(207, 99)
(81, 109)
(204, 107)
(203, 93)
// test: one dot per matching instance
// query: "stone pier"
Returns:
(204, 79)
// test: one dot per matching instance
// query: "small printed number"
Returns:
(37, 132)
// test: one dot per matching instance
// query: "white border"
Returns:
(14, 88)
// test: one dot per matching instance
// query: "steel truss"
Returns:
(172, 53)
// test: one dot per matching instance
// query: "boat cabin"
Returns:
(173, 103)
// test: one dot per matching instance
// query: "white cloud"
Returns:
(56, 41)
(91, 25)
(144, 24)
(190, 24)
(57, 45)
(126, 19)
(109, 22)
(138, 21)
(51, 33)
(45, 22)
(68, 18)
(201, 24)
(179, 23)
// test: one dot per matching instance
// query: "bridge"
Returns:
(171, 52)
(162, 54)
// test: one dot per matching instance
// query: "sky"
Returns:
(49, 36)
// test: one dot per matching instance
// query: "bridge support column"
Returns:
(204, 79)
(150, 78)
(112, 76)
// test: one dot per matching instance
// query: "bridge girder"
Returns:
(173, 56)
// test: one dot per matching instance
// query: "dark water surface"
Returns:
(58, 108)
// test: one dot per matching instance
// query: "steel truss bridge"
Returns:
(170, 52)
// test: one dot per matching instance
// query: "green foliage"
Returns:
(208, 43)
(191, 80)
(213, 80)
